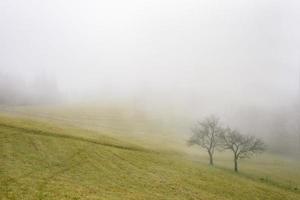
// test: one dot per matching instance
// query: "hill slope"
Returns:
(42, 161)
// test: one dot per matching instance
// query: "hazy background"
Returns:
(237, 59)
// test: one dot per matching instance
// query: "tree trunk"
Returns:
(211, 161)
(236, 164)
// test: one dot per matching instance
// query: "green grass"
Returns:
(46, 161)
(115, 120)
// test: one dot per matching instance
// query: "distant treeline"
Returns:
(16, 90)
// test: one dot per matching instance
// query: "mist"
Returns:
(237, 59)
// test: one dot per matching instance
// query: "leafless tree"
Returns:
(242, 146)
(206, 134)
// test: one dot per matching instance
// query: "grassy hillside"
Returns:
(47, 161)
(160, 129)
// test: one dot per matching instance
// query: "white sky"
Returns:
(242, 50)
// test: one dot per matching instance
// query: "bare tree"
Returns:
(242, 146)
(206, 134)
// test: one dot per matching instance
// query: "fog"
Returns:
(237, 59)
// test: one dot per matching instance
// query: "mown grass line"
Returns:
(22, 130)
(51, 134)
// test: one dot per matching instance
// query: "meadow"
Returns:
(88, 154)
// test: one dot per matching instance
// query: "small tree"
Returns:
(205, 135)
(242, 146)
